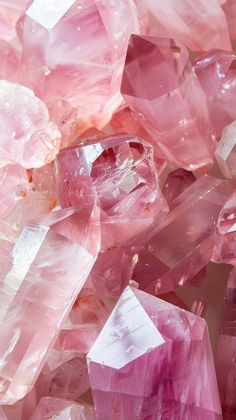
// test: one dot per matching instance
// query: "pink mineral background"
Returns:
(117, 210)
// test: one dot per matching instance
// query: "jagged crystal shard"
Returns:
(47, 268)
(226, 151)
(59, 409)
(132, 377)
(183, 134)
(75, 51)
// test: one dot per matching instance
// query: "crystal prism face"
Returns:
(184, 245)
(183, 135)
(47, 268)
(59, 409)
(226, 151)
(189, 22)
(176, 183)
(216, 72)
(13, 187)
(136, 378)
(225, 360)
(71, 44)
(225, 235)
(120, 174)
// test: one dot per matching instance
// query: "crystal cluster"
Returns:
(117, 210)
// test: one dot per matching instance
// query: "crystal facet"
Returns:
(58, 409)
(132, 377)
(183, 134)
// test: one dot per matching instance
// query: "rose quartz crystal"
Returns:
(199, 25)
(77, 53)
(229, 8)
(169, 374)
(226, 151)
(67, 381)
(184, 245)
(225, 361)
(9, 62)
(176, 183)
(27, 135)
(48, 266)
(13, 187)
(216, 72)
(225, 233)
(183, 134)
(58, 409)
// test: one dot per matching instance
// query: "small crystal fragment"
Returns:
(226, 151)
(183, 134)
(176, 183)
(134, 378)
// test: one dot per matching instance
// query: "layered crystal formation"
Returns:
(47, 268)
(183, 134)
(165, 265)
(159, 366)
(71, 45)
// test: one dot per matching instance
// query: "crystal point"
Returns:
(121, 358)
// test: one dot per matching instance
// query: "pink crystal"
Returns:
(59, 409)
(49, 265)
(182, 135)
(27, 135)
(216, 73)
(9, 62)
(184, 245)
(176, 183)
(199, 25)
(226, 151)
(225, 235)
(136, 378)
(77, 53)
(13, 187)
(225, 361)
(68, 381)
(44, 181)
(229, 8)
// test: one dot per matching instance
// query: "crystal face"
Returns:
(174, 338)
(67, 44)
(183, 135)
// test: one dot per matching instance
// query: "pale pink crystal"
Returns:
(68, 381)
(184, 245)
(199, 25)
(49, 265)
(229, 8)
(58, 409)
(13, 187)
(9, 62)
(176, 183)
(226, 352)
(132, 377)
(183, 134)
(217, 75)
(44, 180)
(27, 135)
(225, 234)
(77, 53)
(226, 151)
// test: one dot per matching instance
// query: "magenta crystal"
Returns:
(153, 360)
